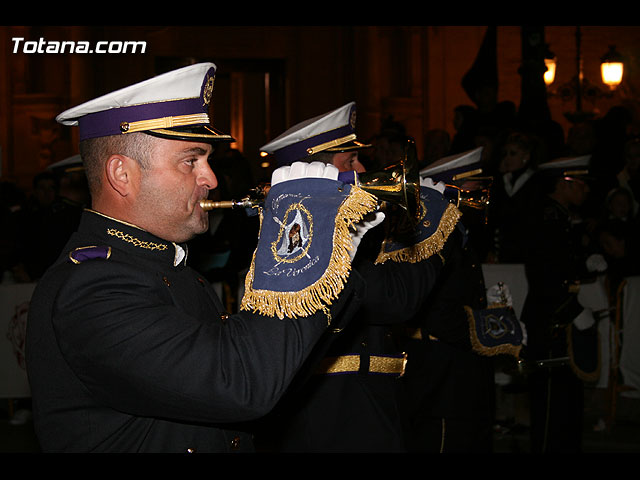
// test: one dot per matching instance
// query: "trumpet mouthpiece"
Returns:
(211, 204)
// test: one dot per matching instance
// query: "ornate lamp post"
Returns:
(612, 69)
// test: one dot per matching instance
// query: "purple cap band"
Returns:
(107, 122)
(297, 151)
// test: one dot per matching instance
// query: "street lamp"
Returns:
(612, 69)
(550, 62)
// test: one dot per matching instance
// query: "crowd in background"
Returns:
(35, 224)
(512, 152)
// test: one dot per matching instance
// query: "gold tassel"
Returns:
(427, 247)
(315, 297)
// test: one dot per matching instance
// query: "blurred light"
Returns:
(550, 74)
(612, 68)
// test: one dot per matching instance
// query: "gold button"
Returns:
(166, 281)
(191, 450)
(224, 316)
(235, 443)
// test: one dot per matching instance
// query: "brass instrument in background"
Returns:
(398, 184)
(472, 200)
(478, 198)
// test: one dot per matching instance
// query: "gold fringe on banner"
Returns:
(478, 347)
(320, 294)
(581, 374)
(427, 247)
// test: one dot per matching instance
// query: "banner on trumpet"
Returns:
(302, 259)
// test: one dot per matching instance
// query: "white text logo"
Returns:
(68, 46)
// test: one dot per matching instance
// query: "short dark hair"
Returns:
(95, 151)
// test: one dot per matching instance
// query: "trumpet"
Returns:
(471, 198)
(476, 198)
(398, 184)
(253, 200)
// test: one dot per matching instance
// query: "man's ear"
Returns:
(120, 172)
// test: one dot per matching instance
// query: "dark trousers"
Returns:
(450, 435)
(557, 410)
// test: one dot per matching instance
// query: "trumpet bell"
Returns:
(477, 200)
(398, 183)
(473, 197)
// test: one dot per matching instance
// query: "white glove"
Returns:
(592, 296)
(427, 182)
(499, 293)
(584, 320)
(304, 170)
(596, 263)
(362, 227)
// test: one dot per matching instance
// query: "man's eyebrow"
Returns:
(196, 151)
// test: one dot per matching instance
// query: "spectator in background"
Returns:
(43, 192)
(618, 240)
(50, 226)
(12, 221)
(513, 195)
(620, 204)
(611, 132)
(554, 316)
(465, 123)
(629, 175)
(387, 145)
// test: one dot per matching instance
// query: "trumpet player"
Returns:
(448, 399)
(346, 397)
(128, 348)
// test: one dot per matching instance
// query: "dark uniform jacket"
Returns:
(508, 219)
(127, 352)
(445, 377)
(556, 261)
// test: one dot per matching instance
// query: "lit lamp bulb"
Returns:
(550, 74)
(612, 68)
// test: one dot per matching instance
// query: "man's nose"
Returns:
(207, 178)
